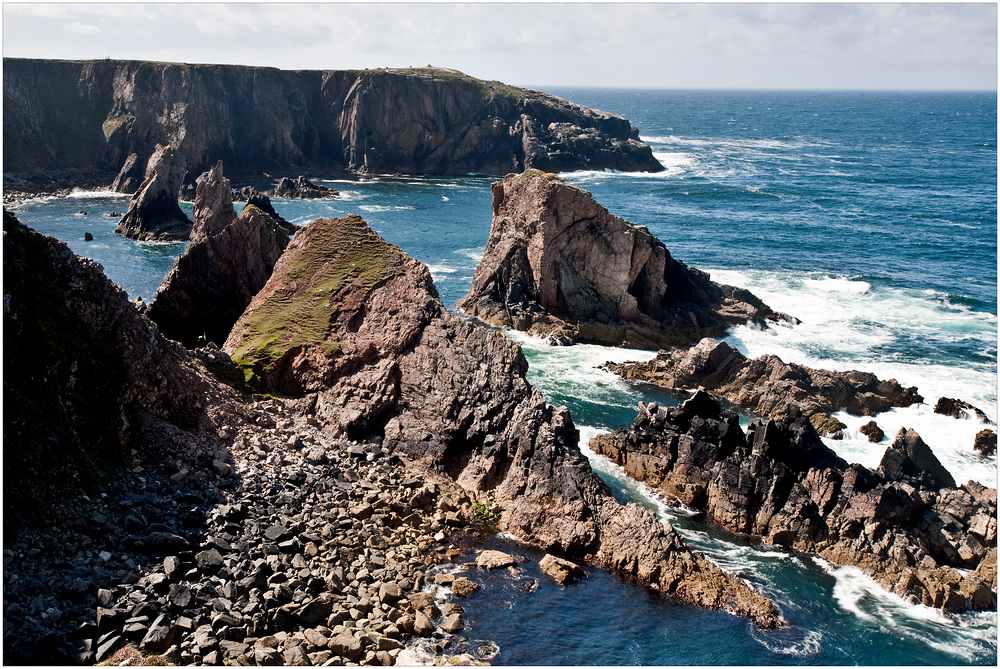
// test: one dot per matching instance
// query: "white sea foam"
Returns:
(351, 195)
(783, 642)
(473, 254)
(379, 208)
(441, 269)
(81, 194)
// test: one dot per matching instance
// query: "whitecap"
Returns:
(380, 208)
(441, 269)
(473, 254)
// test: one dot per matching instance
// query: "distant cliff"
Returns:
(92, 115)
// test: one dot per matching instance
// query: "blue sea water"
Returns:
(871, 217)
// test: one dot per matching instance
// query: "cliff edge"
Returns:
(94, 115)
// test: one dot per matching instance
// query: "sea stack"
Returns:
(153, 213)
(558, 264)
(229, 259)
(354, 327)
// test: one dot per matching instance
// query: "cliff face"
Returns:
(95, 114)
(355, 327)
(557, 263)
(906, 524)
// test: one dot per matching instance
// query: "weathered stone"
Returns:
(563, 571)
(300, 188)
(986, 442)
(463, 587)
(160, 635)
(955, 408)
(453, 623)
(347, 646)
(422, 625)
(490, 559)
(209, 560)
(872, 431)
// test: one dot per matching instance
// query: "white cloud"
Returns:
(82, 28)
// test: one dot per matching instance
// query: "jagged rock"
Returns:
(300, 188)
(906, 525)
(213, 204)
(374, 351)
(80, 363)
(93, 114)
(769, 387)
(559, 264)
(563, 571)
(153, 213)
(872, 431)
(986, 442)
(219, 273)
(948, 406)
(130, 177)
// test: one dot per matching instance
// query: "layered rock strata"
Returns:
(95, 114)
(769, 387)
(558, 264)
(300, 188)
(354, 327)
(906, 524)
(153, 213)
(229, 259)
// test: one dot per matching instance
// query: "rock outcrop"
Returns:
(130, 177)
(213, 204)
(559, 264)
(769, 387)
(354, 327)
(948, 406)
(229, 259)
(906, 524)
(986, 442)
(250, 195)
(300, 188)
(80, 365)
(95, 114)
(153, 213)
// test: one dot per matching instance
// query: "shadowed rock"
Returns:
(213, 204)
(906, 524)
(559, 264)
(374, 354)
(769, 387)
(153, 213)
(130, 177)
(300, 188)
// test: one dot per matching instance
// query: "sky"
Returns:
(908, 46)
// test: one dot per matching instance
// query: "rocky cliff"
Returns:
(769, 387)
(153, 212)
(229, 259)
(355, 328)
(906, 524)
(558, 264)
(95, 114)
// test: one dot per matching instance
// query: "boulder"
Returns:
(986, 442)
(494, 560)
(463, 587)
(955, 408)
(559, 264)
(562, 571)
(153, 213)
(768, 386)
(872, 431)
(910, 460)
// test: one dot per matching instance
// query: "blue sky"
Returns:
(656, 44)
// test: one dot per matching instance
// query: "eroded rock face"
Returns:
(130, 177)
(906, 524)
(375, 355)
(214, 280)
(94, 114)
(153, 213)
(559, 264)
(769, 387)
(80, 364)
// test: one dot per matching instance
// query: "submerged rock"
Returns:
(153, 213)
(355, 328)
(769, 387)
(906, 525)
(559, 264)
(948, 406)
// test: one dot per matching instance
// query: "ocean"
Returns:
(869, 216)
